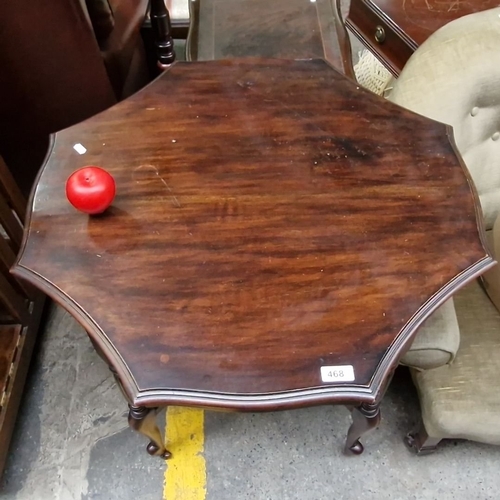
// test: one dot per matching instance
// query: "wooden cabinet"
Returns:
(393, 29)
(20, 311)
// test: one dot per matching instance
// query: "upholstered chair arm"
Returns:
(437, 340)
(469, 101)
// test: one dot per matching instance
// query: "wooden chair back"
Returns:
(14, 295)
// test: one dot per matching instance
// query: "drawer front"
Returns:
(380, 34)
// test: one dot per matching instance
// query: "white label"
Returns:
(343, 373)
(80, 149)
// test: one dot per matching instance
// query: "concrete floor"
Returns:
(72, 442)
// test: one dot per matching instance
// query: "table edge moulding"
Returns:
(253, 402)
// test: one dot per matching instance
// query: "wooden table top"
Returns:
(271, 218)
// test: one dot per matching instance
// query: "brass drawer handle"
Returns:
(379, 34)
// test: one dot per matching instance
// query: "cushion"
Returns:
(178, 10)
(371, 73)
(453, 78)
(462, 400)
(437, 340)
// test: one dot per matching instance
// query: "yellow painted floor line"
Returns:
(186, 476)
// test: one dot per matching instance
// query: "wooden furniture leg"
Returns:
(143, 420)
(162, 30)
(140, 418)
(343, 40)
(364, 418)
(420, 442)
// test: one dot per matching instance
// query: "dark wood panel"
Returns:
(20, 311)
(271, 217)
(25, 336)
(395, 49)
(46, 82)
(9, 336)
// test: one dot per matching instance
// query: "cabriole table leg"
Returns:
(364, 418)
(143, 420)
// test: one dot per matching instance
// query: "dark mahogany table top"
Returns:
(271, 218)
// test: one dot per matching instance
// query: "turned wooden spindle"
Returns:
(162, 30)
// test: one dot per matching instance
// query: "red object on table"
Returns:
(90, 189)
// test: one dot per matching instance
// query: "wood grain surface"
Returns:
(271, 218)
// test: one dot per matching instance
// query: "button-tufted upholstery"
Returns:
(454, 77)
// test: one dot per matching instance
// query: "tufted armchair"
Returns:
(454, 77)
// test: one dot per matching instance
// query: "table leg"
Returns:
(143, 420)
(140, 418)
(344, 41)
(364, 418)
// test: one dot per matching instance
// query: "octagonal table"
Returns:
(277, 237)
